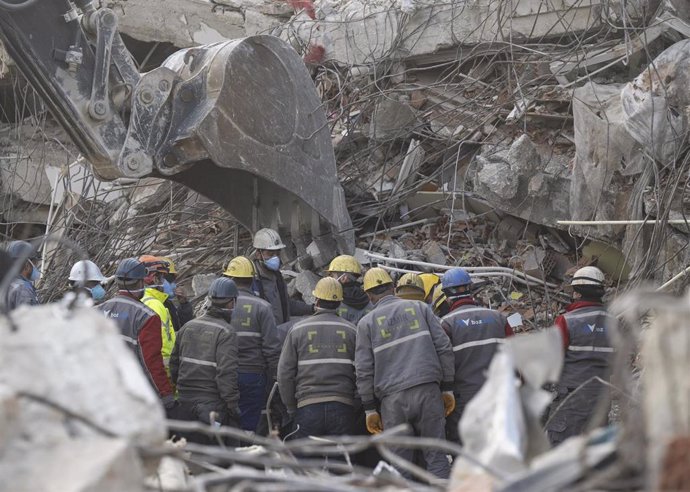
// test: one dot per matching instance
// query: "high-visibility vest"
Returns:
(154, 299)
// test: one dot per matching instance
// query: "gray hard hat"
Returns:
(222, 288)
(130, 269)
(21, 249)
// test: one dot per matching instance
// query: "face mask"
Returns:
(169, 288)
(35, 273)
(97, 293)
(273, 263)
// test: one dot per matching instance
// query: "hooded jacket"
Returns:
(355, 303)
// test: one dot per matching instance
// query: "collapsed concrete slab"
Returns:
(74, 403)
(356, 32)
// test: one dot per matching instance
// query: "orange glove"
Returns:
(374, 423)
(448, 402)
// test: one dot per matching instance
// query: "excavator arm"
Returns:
(239, 121)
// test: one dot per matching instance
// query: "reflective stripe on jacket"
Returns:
(400, 344)
(475, 333)
(154, 299)
(589, 350)
(253, 322)
(317, 361)
(204, 362)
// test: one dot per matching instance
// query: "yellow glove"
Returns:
(448, 402)
(374, 424)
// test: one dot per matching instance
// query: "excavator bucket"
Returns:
(249, 132)
(239, 122)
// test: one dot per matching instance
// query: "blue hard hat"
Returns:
(455, 277)
(131, 269)
(21, 249)
(223, 288)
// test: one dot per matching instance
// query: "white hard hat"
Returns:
(268, 239)
(588, 275)
(86, 271)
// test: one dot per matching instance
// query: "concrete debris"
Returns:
(304, 284)
(433, 253)
(201, 283)
(85, 398)
(656, 104)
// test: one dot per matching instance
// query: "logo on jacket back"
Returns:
(473, 322)
(594, 328)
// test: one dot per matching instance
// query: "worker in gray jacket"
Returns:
(204, 362)
(316, 375)
(22, 290)
(253, 323)
(404, 362)
(269, 282)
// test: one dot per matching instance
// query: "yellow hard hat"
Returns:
(429, 280)
(375, 277)
(171, 264)
(240, 267)
(328, 289)
(346, 264)
(437, 297)
(411, 280)
(409, 293)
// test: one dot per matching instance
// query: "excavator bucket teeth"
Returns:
(249, 131)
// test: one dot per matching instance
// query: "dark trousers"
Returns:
(210, 413)
(569, 417)
(252, 399)
(422, 407)
(329, 418)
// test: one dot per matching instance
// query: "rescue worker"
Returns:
(475, 333)
(155, 298)
(204, 362)
(139, 325)
(181, 310)
(404, 364)
(269, 282)
(22, 290)
(430, 280)
(86, 277)
(439, 301)
(347, 270)
(410, 287)
(585, 331)
(253, 322)
(316, 376)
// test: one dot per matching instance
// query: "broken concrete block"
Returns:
(433, 253)
(258, 23)
(84, 465)
(392, 119)
(202, 282)
(603, 147)
(497, 180)
(183, 23)
(533, 262)
(655, 105)
(395, 249)
(305, 284)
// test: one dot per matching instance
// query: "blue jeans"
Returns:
(252, 398)
(330, 418)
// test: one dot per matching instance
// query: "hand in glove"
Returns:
(374, 423)
(448, 402)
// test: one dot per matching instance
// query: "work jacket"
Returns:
(180, 313)
(355, 303)
(155, 299)
(140, 328)
(253, 322)
(317, 361)
(21, 291)
(475, 333)
(585, 326)
(271, 287)
(204, 362)
(400, 344)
